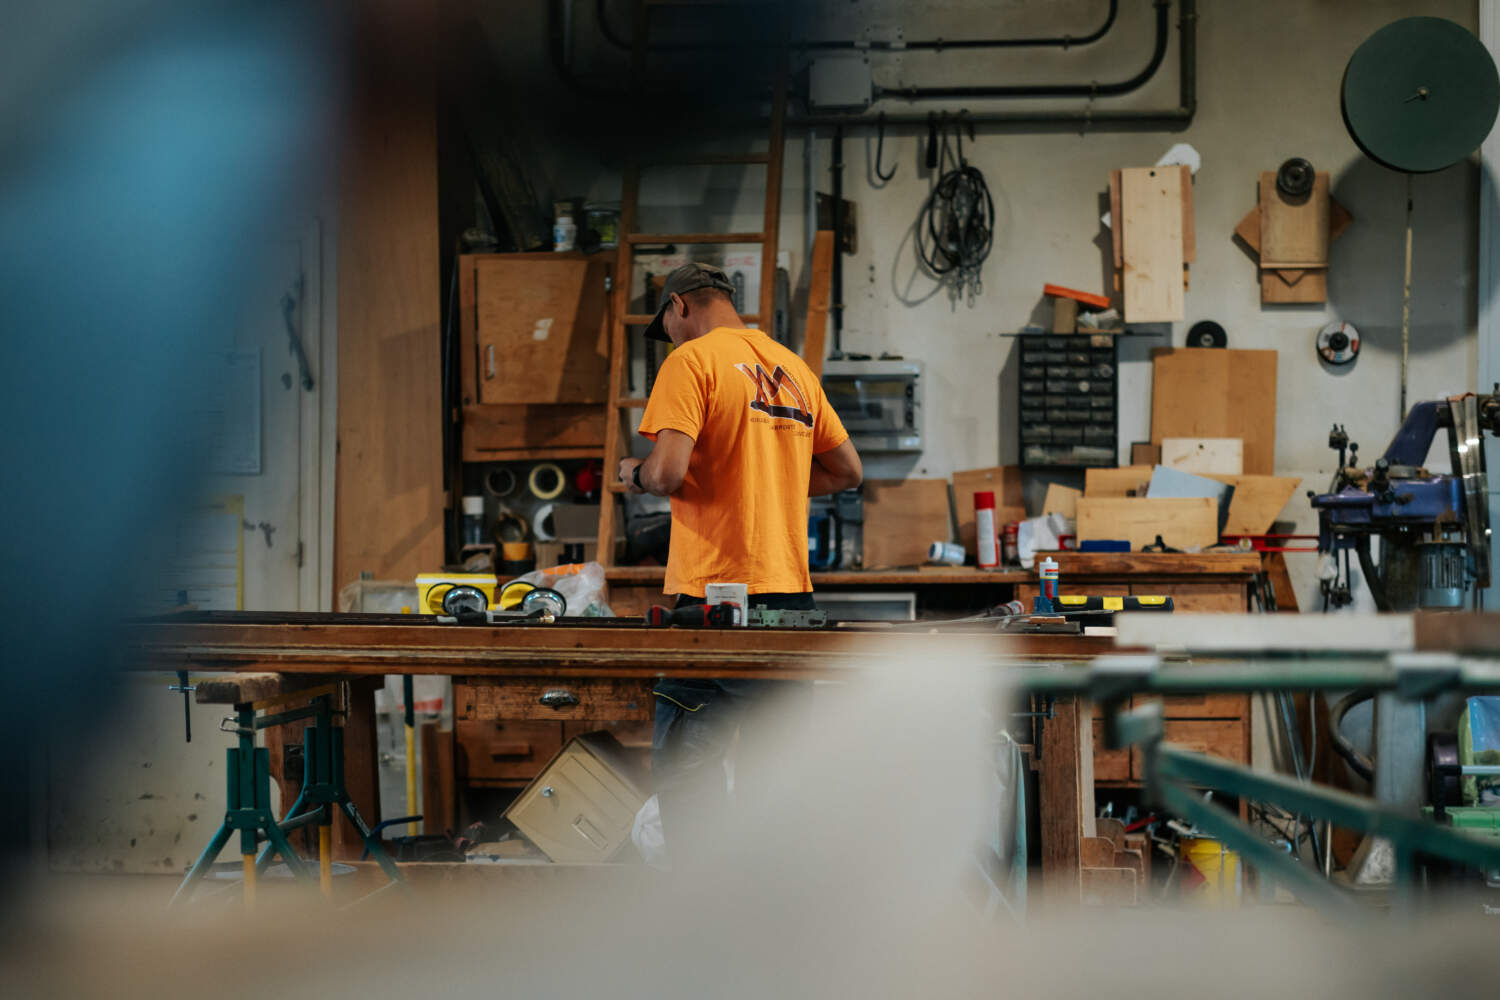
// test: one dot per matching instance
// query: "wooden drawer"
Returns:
(567, 700)
(1109, 765)
(1219, 737)
(1193, 597)
(1200, 706)
(632, 735)
(489, 751)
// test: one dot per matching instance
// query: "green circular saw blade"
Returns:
(1420, 94)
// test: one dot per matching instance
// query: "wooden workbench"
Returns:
(501, 672)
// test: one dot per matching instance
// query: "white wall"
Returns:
(1268, 89)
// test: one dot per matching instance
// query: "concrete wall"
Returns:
(1268, 88)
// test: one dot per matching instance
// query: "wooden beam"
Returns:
(819, 294)
(1067, 799)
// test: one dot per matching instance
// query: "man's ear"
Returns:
(679, 304)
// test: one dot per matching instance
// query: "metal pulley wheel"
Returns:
(1338, 343)
(463, 599)
(1295, 178)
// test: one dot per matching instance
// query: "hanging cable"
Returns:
(883, 176)
(956, 227)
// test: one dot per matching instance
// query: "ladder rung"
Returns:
(696, 238)
(708, 160)
(644, 319)
(631, 404)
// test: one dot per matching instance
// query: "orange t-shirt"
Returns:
(757, 416)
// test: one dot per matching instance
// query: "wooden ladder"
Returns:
(615, 435)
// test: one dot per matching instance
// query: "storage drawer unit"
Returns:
(1068, 400)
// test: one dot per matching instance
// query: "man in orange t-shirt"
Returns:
(743, 435)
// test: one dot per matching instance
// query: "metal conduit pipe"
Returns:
(934, 44)
(1092, 89)
(1182, 115)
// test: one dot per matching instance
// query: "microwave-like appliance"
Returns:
(879, 402)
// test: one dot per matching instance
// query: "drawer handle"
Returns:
(489, 361)
(558, 698)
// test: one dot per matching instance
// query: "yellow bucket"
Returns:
(1209, 874)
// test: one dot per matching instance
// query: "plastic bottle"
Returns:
(1048, 575)
(987, 554)
(473, 520)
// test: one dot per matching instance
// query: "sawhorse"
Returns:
(248, 793)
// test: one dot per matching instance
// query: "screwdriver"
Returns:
(694, 616)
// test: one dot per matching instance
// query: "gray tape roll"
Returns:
(500, 482)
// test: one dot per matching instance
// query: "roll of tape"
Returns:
(542, 526)
(515, 551)
(511, 527)
(500, 482)
(547, 481)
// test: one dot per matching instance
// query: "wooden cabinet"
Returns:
(533, 354)
(1217, 724)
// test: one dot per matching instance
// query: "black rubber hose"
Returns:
(1367, 567)
(1361, 765)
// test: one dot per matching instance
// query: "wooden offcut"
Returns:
(1206, 392)
(1126, 481)
(902, 518)
(1151, 217)
(1201, 456)
(1062, 500)
(1181, 523)
(1293, 231)
(819, 294)
(1257, 501)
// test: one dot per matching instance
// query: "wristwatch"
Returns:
(636, 478)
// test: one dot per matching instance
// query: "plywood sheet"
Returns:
(1282, 286)
(1224, 456)
(1116, 225)
(902, 518)
(1257, 501)
(1216, 392)
(1002, 480)
(1128, 480)
(1189, 237)
(1151, 217)
(1062, 500)
(1293, 232)
(1182, 523)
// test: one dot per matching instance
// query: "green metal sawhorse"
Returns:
(248, 795)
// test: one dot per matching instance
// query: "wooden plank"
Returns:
(1274, 566)
(1067, 798)
(1293, 231)
(1116, 223)
(771, 211)
(1189, 237)
(1248, 229)
(1124, 565)
(902, 518)
(1257, 501)
(389, 497)
(1144, 453)
(614, 443)
(1151, 214)
(1062, 500)
(1217, 737)
(439, 792)
(540, 328)
(1278, 287)
(819, 293)
(1126, 481)
(1109, 765)
(522, 699)
(1215, 392)
(1010, 503)
(1199, 706)
(1181, 523)
(1203, 456)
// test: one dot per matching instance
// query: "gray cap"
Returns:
(687, 278)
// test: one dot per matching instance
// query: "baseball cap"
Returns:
(687, 278)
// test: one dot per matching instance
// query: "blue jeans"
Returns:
(696, 723)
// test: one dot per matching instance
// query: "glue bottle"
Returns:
(1048, 574)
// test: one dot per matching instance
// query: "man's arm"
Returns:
(663, 470)
(834, 470)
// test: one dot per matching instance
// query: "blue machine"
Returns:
(1433, 528)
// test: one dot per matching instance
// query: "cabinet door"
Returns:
(540, 329)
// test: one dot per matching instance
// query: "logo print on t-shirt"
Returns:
(768, 389)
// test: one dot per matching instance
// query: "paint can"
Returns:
(946, 553)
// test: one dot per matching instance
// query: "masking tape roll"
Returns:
(515, 551)
(542, 526)
(500, 482)
(511, 527)
(547, 481)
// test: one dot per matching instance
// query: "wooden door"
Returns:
(540, 331)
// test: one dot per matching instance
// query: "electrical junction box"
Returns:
(879, 402)
(838, 82)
